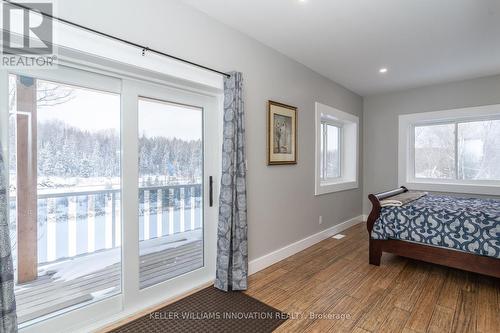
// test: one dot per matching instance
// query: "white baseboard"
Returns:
(271, 258)
(365, 217)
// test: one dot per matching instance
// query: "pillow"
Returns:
(402, 199)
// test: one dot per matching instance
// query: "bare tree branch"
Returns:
(48, 94)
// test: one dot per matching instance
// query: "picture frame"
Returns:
(281, 134)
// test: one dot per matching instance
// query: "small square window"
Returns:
(336, 150)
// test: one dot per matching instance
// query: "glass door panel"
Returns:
(65, 191)
(73, 229)
(170, 190)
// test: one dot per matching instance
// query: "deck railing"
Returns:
(78, 223)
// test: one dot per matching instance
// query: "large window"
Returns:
(336, 150)
(455, 150)
(460, 150)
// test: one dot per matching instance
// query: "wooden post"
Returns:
(27, 240)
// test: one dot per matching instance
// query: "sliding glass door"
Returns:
(108, 187)
(65, 185)
(170, 190)
(175, 153)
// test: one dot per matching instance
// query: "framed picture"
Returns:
(281, 134)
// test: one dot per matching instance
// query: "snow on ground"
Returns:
(161, 244)
(56, 185)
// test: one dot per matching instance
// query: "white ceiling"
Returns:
(420, 41)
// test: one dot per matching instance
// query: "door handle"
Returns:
(211, 191)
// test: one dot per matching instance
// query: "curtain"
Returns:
(8, 318)
(232, 254)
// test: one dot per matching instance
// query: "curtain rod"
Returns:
(144, 48)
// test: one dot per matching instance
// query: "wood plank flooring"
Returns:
(330, 287)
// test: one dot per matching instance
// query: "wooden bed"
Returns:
(437, 255)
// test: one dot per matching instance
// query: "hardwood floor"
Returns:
(331, 287)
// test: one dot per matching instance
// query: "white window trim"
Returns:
(406, 157)
(68, 39)
(349, 152)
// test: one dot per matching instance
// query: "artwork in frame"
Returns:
(281, 134)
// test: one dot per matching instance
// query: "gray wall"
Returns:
(281, 201)
(381, 123)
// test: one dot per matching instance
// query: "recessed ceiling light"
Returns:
(382, 70)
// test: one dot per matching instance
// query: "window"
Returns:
(478, 154)
(336, 150)
(330, 151)
(451, 150)
(460, 150)
(434, 150)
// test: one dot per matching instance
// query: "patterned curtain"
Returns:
(8, 318)
(232, 254)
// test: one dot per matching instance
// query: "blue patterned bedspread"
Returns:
(471, 225)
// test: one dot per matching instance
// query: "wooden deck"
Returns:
(49, 294)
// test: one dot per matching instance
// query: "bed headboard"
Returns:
(375, 200)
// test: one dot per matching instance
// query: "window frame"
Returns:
(406, 150)
(348, 125)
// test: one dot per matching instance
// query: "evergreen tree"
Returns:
(65, 151)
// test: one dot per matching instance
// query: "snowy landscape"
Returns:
(73, 162)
